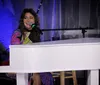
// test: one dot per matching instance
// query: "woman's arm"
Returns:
(15, 40)
(16, 37)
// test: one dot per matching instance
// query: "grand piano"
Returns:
(62, 55)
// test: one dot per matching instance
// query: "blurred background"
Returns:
(70, 15)
(53, 14)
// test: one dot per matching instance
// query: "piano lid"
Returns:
(62, 42)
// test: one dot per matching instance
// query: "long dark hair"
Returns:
(34, 35)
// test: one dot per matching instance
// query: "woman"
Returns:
(26, 34)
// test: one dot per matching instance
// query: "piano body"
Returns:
(62, 55)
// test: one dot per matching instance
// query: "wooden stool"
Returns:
(63, 76)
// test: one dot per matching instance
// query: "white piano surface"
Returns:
(73, 54)
(63, 42)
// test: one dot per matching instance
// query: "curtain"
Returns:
(55, 14)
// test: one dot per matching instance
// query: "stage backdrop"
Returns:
(53, 14)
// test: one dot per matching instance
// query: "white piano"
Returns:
(63, 55)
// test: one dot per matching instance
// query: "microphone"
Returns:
(32, 24)
(35, 27)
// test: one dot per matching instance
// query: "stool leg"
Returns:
(62, 80)
(74, 77)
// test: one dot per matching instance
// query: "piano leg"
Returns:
(22, 79)
(93, 77)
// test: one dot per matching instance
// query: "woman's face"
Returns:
(29, 18)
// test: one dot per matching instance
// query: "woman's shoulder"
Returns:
(17, 32)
